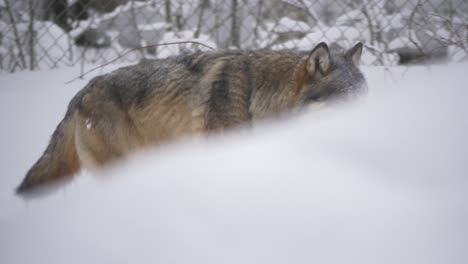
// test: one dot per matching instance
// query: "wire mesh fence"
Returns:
(42, 34)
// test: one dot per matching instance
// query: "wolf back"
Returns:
(156, 101)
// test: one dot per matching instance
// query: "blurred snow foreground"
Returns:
(382, 181)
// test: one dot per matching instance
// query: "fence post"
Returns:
(32, 35)
(16, 34)
(234, 25)
(168, 11)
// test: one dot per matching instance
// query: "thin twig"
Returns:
(134, 23)
(235, 38)
(454, 35)
(32, 34)
(15, 33)
(411, 30)
(200, 18)
(134, 49)
(308, 11)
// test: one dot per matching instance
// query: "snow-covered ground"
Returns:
(382, 181)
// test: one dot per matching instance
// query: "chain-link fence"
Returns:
(41, 34)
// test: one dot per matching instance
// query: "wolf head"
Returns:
(332, 76)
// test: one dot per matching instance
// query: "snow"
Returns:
(153, 26)
(88, 124)
(124, 9)
(286, 24)
(379, 181)
(51, 35)
(403, 42)
(349, 18)
(458, 54)
(346, 36)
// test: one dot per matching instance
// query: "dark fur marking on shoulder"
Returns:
(190, 61)
(141, 95)
(219, 95)
(218, 102)
(116, 93)
(246, 67)
(192, 64)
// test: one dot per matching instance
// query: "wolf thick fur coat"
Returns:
(159, 100)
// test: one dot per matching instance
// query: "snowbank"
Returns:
(383, 181)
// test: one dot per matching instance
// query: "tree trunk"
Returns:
(203, 5)
(32, 34)
(234, 25)
(168, 12)
(16, 34)
(59, 10)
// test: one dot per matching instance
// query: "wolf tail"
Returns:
(58, 162)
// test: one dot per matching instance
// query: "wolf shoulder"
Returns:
(132, 84)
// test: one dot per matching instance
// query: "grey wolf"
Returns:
(155, 101)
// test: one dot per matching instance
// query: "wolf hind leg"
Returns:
(58, 163)
(105, 137)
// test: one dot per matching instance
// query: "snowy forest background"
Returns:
(43, 34)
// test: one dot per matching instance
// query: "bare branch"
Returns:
(32, 34)
(15, 32)
(144, 47)
(135, 26)
(235, 40)
(411, 30)
(202, 6)
(309, 13)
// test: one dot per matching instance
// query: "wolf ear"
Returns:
(355, 53)
(319, 59)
